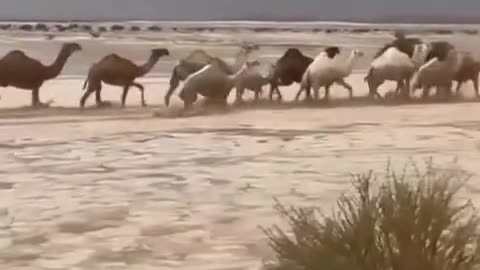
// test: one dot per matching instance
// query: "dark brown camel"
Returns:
(21, 71)
(118, 71)
(288, 69)
(291, 67)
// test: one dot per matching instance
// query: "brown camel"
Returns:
(468, 71)
(118, 71)
(23, 72)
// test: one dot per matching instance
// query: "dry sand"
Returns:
(120, 189)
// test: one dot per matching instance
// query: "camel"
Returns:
(23, 72)
(212, 82)
(437, 73)
(288, 69)
(468, 71)
(199, 59)
(394, 65)
(118, 71)
(253, 81)
(327, 69)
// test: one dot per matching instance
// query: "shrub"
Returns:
(5, 26)
(41, 27)
(135, 28)
(117, 27)
(26, 27)
(409, 221)
(60, 28)
(102, 29)
(86, 27)
(154, 28)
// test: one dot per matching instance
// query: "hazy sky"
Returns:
(208, 9)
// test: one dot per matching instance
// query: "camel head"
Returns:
(157, 53)
(249, 47)
(332, 51)
(399, 34)
(252, 64)
(420, 52)
(70, 48)
(357, 53)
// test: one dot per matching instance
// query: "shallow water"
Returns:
(120, 189)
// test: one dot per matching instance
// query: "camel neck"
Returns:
(242, 57)
(145, 68)
(56, 67)
(237, 74)
(350, 62)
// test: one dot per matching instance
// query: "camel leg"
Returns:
(257, 91)
(272, 89)
(426, 92)
(124, 94)
(346, 86)
(475, 85)
(142, 93)
(307, 94)
(459, 85)
(239, 96)
(174, 82)
(35, 98)
(327, 93)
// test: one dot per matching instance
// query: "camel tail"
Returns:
(369, 74)
(85, 84)
(89, 77)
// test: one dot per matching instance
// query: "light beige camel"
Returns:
(199, 59)
(116, 70)
(325, 70)
(212, 82)
(23, 72)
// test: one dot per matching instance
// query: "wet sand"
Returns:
(122, 189)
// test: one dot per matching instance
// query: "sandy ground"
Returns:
(121, 189)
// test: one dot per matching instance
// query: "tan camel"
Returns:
(118, 71)
(23, 72)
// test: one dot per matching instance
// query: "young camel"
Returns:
(253, 81)
(394, 65)
(23, 72)
(199, 59)
(116, 70)
(326, 70)
(212, 82)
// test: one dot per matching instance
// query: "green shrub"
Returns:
(410, 220)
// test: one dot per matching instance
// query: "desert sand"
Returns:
(121, 189)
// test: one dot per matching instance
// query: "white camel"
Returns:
(325, 71)
(439, 74)
(212, 82)
(395, 65)
(254, 81)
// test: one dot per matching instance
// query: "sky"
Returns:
(229, 9)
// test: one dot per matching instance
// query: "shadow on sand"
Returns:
(115, 112)
(356, 102)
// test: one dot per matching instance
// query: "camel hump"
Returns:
(15, 54)
(198, 56)
(293, 52)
